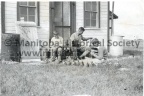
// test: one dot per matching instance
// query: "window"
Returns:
(91, 14)
(28, 11)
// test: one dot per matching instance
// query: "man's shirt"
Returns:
(76, 37)
(56, 42)
(94, 50)
(100, 51)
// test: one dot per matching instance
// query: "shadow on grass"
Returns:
(127, 53)
(133, 52)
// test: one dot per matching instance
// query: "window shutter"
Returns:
(2, 16)
(18, 16)
(38, 13)
(99, 15)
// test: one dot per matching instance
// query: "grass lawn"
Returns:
(120, 78)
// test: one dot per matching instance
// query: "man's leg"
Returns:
(86, 51)
(74, 51)
(96, 61)
(93, 54)
(59, 54)
(53, 53)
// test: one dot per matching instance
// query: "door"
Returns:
(62, 19)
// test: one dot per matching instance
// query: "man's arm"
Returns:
(85, 39)
(72, 38)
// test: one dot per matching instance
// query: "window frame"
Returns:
(27, 6)
(97, 16)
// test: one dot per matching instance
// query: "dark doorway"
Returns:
(63, 18)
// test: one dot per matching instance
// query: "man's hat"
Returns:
(95, 40)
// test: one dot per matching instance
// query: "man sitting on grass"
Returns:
(76, 39)
(56, 46)
(98, 52)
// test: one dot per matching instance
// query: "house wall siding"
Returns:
(100, 33)
(10, 17)
(43, 29)
(0, 18)
(0, 27)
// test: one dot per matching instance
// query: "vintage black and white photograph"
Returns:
(71, 48)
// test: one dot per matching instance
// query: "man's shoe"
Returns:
(74, 58)
(81, 58)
